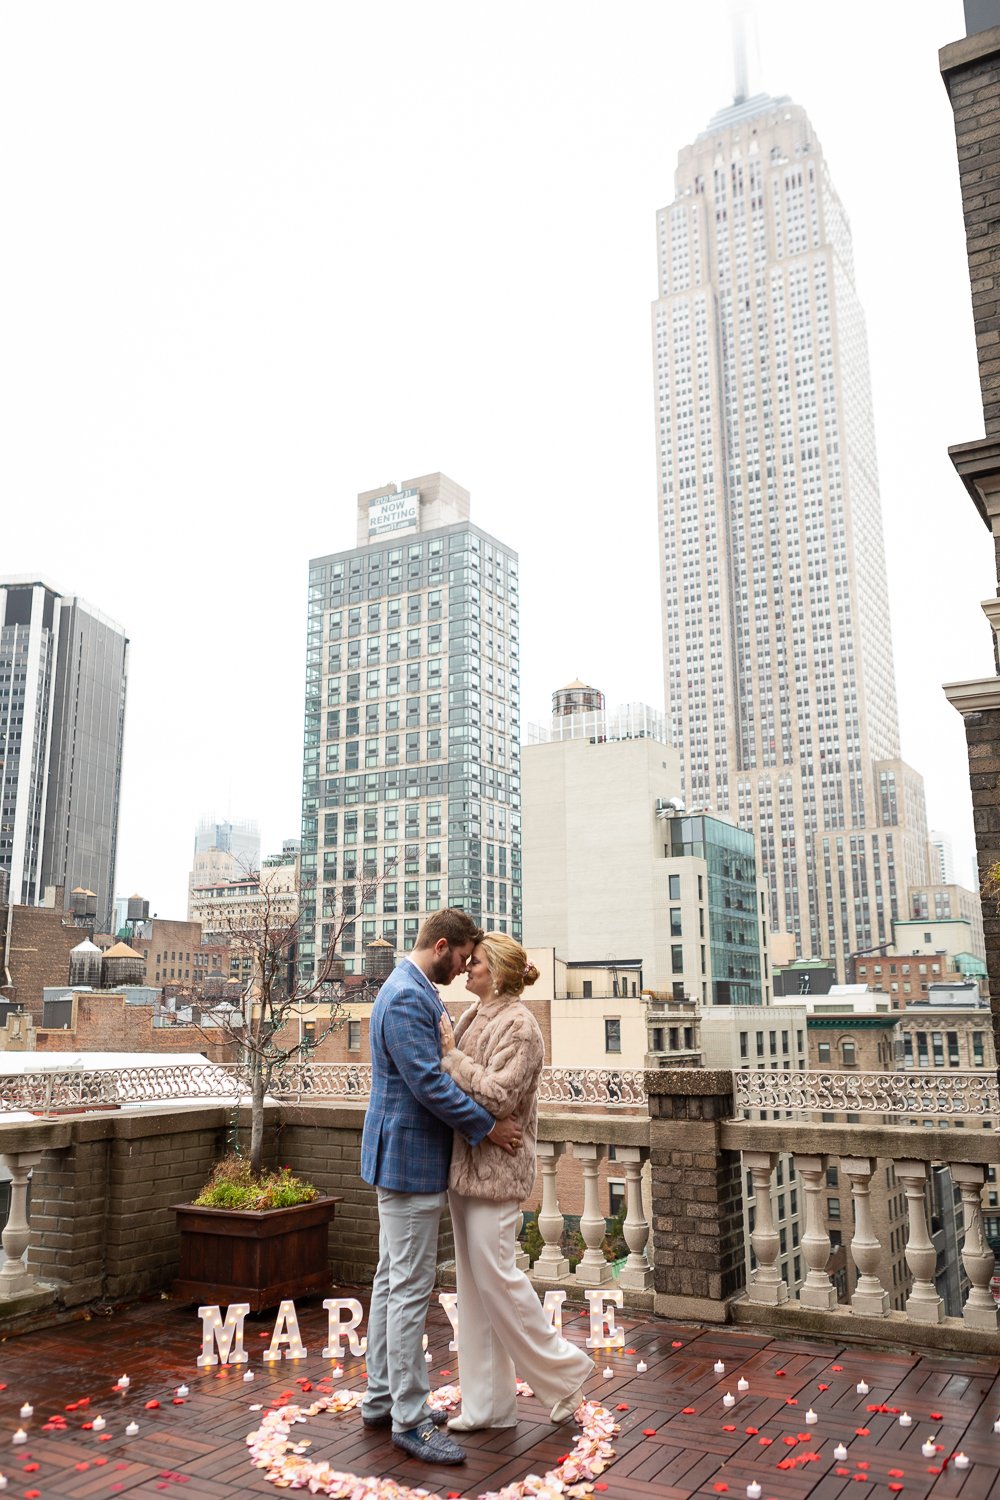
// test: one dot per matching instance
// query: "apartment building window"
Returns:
(616, 1197)
(847, 1054)
(674, 882)
(612, 1034)
(354, 1036)
(977, 1049)
(823, 1052)
(677, 958)
(675, 921)
(833, 1208)
(952, 1040)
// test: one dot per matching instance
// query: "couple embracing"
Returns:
(453, 1117)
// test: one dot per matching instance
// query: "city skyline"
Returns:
(286, 307)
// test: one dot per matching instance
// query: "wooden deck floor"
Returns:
(676, 1438)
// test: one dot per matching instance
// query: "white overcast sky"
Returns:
(257, 258)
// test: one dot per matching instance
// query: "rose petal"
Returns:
(678, 1344)
(821, 1387)
(720, 1489)
(751, 1431)
(936, 1416)
(730, 1427)
(791, 1401)
(687, 1411)
(862, 1432)
(622, 1406)
(649, 1432)
(152, 1405)
(836, 1367)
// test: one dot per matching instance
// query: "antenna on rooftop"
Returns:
(742, 22)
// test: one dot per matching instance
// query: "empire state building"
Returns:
(778, 670)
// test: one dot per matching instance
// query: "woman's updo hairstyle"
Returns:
(508, 963)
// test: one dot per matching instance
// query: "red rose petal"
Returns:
(678, 1344)
(32, 1494)
(861, 1479)
(862, 1463)
(100, 1461)
(862, 1432)
(720, 1489)
(622, 1406)
(649, 1432)
(821, 1387)
(791, 1401)
(687, 1411)
(627, 1351)
(152, 1405)
(446, 1373)
(936, 1416)
(86, 1426)
(895, 1473)
(804, 1437)
(105, 1437)
(836, 1367)
(789, 1442)
(600, 1486)
(178, 1401)
(81, 1468)
(779, 1373)
(30, 1469)
(895, 1487)
(842, 1472)
(785, 1463)
(730, 1427)
(751, 1431)
(764, 1442)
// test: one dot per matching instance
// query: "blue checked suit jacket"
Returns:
(414, 1107)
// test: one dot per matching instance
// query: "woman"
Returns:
(501, 1326)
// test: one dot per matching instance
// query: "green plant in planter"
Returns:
(234, 1184)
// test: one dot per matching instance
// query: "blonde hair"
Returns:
(508, 963)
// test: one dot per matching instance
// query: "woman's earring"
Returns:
(496, 989)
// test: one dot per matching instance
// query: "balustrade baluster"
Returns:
(980, 1310)
(817, 1290)
(766, 1283)
(551, 1265)
(15, 1280)
(592, 1269)
(870, 1296)
(923, 1304)
(636, 1272)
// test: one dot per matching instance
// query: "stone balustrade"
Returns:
(100, 1228)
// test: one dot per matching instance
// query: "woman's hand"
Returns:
(447, 1035)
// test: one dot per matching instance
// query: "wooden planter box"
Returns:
(256, 1256)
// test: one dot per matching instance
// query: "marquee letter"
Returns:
(603, 1333)
(552, 1307)
(228, 1335)
(338, 1327)
(449, 1301)
(286, 1331)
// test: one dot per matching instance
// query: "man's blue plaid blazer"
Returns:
(414, 1107)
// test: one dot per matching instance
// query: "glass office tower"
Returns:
(411, 764)
(63, 670)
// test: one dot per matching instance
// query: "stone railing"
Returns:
(701, 1154)
(101, 1229)
(49, 1091)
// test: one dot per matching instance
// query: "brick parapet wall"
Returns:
(698, 1247)
(971, 71)
(982, 733)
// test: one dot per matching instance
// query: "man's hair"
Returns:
(452, 924)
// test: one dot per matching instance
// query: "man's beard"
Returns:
(443, 969)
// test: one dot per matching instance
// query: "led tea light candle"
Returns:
(642, 1367)
(753, 1490)
(98, 1424)
(182, 1391)
(840, 1453)
(248, 1375)
(962, 1460)
(608, 1372)
(811, 1418)
(27, 1410)
(729, 1399)
(862, 1388)
(3, 1481)
(929, 1448)
(719, 1367)
(132, 1429)
(19, 1437)
(742, 1384)
(123, 1382)
(905, 1420)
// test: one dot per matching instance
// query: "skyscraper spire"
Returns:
(738, 25)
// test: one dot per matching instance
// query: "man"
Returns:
(405, 1154)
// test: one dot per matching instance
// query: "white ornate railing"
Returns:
(48, 1091)
(909, 1095)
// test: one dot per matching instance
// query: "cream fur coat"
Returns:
(497, 1059)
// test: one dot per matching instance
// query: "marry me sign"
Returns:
(222, 1334)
